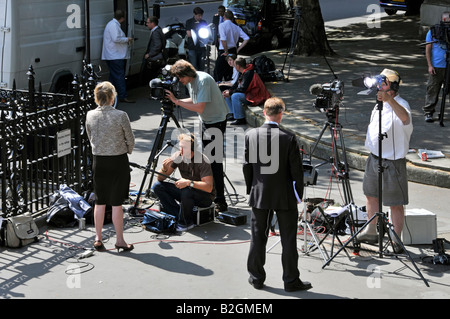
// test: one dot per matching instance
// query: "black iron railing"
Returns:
(43, 144)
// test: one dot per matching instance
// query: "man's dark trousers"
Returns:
(260, 222)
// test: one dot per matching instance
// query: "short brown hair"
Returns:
(241, 62)
(229, 15)
(104, 92)
(119, 14)
(231, 56)
(274, 106)
(153, 19)
(183, 68)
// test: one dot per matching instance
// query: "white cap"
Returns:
(392, 76)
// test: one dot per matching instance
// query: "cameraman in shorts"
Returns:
(205, 99)
(397, 124)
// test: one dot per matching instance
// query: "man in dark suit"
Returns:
(154, 58)
(273, 173)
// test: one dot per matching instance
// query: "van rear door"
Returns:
(138, 15)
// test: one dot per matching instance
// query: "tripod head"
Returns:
(167, 106)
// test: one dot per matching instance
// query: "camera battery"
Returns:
(203, 215)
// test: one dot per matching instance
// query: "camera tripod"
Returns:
(342, 170)
(167, 110)
(340, 167)
(294, 38)
(157, 150)
(383, 224)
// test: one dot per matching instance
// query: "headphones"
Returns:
(192, 142)
(395, 86)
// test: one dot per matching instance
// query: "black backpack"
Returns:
(264, 66)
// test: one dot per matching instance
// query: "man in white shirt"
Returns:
(229, 34)
(115, 52)
(397, 125)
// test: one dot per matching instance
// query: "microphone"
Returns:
(315, 89)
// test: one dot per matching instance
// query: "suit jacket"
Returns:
(156, 44)
(272, 162)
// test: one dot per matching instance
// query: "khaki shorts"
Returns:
(395, 181)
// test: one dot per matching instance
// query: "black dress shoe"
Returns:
(239, 122)
(220, 207)
(127, 100)
(230, 117)
(256, 285)
(298, 285)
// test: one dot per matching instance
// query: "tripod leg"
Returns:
(294, 37)
(228, 193)
(349, 240)
(392, 233)
(313, 235)
(318, 139)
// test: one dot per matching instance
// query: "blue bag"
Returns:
(158, 222)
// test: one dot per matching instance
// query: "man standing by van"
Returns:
(229, 34)
(115, 52)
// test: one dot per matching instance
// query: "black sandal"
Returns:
(98, 245)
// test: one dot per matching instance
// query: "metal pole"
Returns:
(87, 24)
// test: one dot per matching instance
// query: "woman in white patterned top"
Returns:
(112, 139)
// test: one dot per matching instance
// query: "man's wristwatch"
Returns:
(191, 184)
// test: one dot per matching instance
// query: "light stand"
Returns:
(206, 36)
(208, 60)
(383, 223)
(445, 89)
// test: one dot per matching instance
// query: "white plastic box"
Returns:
(420, 227)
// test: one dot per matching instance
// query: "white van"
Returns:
(54, 37)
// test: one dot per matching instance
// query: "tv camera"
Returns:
(328, 98)
(441, 32)
(165, 81)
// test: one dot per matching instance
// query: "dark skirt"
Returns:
(111, 179)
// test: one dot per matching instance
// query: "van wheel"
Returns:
(390, 12)
(274, 42)
(63, 85)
